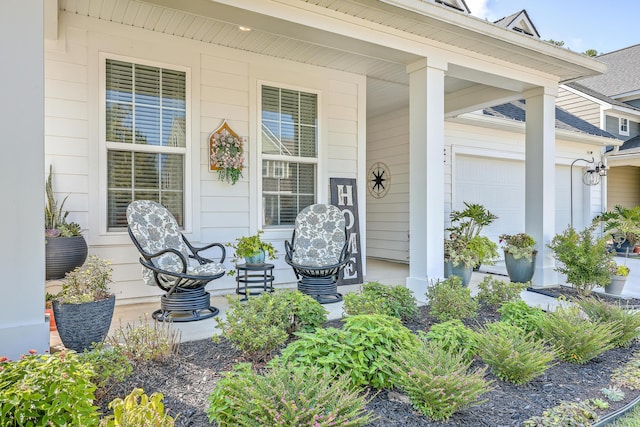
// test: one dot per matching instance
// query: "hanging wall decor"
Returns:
(225, 153)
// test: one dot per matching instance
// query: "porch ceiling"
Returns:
(313, 42)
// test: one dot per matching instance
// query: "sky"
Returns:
(587, 24)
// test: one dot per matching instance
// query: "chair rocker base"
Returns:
(322, 289)
(185, 305)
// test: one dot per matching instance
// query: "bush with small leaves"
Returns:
(613, 393)
(628, 321)
(513, 355)
(43, 390)
(109, 364)
(437, 381)
(574, 337)
(520, 314)
(449, 300)
(453, 337)
(361, 349)
(302, 312)
(567, 414)
(495, 292)
(145, 342)
(286, 396)
(138, 410)
(376, 298)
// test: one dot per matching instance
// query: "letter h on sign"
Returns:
(344, 196)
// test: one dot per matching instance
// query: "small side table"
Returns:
(253, 279)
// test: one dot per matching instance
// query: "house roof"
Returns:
(622, 75)
(564, 120)
(519, 22)
(599, 96)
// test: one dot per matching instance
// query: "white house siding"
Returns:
(482, 165)
(224, 84)
(623, 188)
(579, 106)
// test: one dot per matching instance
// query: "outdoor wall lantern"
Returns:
(590, 177)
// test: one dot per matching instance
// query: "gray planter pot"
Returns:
(520, 270)
(616, 286)
(63, 254)
(458, 270)
(79, 325)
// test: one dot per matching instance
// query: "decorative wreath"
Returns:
(226, 155)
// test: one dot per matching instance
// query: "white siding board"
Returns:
(65, 109)
(65, 90)
(66, 127)
(65, 146)
(65, 71)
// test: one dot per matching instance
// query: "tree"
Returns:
(558, 43)
(591, 52)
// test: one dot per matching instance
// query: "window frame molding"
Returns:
(620, 131)
(104, 146)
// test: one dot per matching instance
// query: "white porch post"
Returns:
(540, 179)
(22, 321)
(426, 174)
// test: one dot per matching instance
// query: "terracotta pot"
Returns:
(52, 319)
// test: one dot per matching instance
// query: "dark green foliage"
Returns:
(376, 298)
(495, 292)
(286, 396)
(628, 321)
(512, 354)
(450, 300)
(109, 364)
(453, 337)
(361, 349)
(520, 314)
(303, 312)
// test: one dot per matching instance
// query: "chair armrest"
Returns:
(194, 250)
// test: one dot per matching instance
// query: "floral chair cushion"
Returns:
(319, 236)
(155, 229)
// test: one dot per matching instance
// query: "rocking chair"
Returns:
(318, 251)
(172, 263)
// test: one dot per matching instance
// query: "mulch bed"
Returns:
(188, 379)
(570, 293)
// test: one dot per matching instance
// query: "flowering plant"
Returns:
(618, 269)
(226, 156)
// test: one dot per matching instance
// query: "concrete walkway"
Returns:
(389, 273)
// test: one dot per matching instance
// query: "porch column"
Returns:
(22, 322)
(540, 176)
(426, 173)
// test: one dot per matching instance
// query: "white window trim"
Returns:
(318, 160)
(620, 124)
(104, 145)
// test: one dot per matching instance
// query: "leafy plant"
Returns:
(520, 314)
(376, 298)
(450, 300)
(42, 390)
(453, 337)
(519, 245)
(574, 338)
(138, 410)
(613, 393)
(495, 292)
(627, 322)
(286, 397)
(582, 257)
(458, 252)
(599, 403)
(465, 245)
(469, 222)
(55, 221)
(437, 381)
(302, 311)
(512, 354)
(567, 414)
(628, 375)
(361, 349)
(623, 223)
(89, 282)
(250, 246)
(109, 364)
(147, 342)
(616, 269)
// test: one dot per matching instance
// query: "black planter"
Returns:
(63, 254)
(79, 325)
(520, 270)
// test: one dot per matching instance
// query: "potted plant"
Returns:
(252, 249)
(624, 226)
(519, 256)
(583, 258)
(84, 307)
(619, 274)
(65, 248)
(465, 247)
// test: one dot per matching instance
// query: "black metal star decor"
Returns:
(379, 180)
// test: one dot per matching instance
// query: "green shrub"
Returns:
(138, 410)
(513, 355)
(302, 312)
(520, 314)
(285, 396)
(495, 292)
(453, 337)
(376, 298)
(146, 342)
(567, 414)
(109, 364)
(450, 300)
(575, 338)
(361, 349)
(47, 390)
(437, 382)
(613, 393)
(628, 321)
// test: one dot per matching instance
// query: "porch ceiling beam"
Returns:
(475, 98)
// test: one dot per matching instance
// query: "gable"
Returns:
(455, 4)
(519, 22)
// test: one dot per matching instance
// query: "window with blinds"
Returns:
(145, 138)
(289, 153)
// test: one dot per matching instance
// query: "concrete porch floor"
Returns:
(386, 272)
